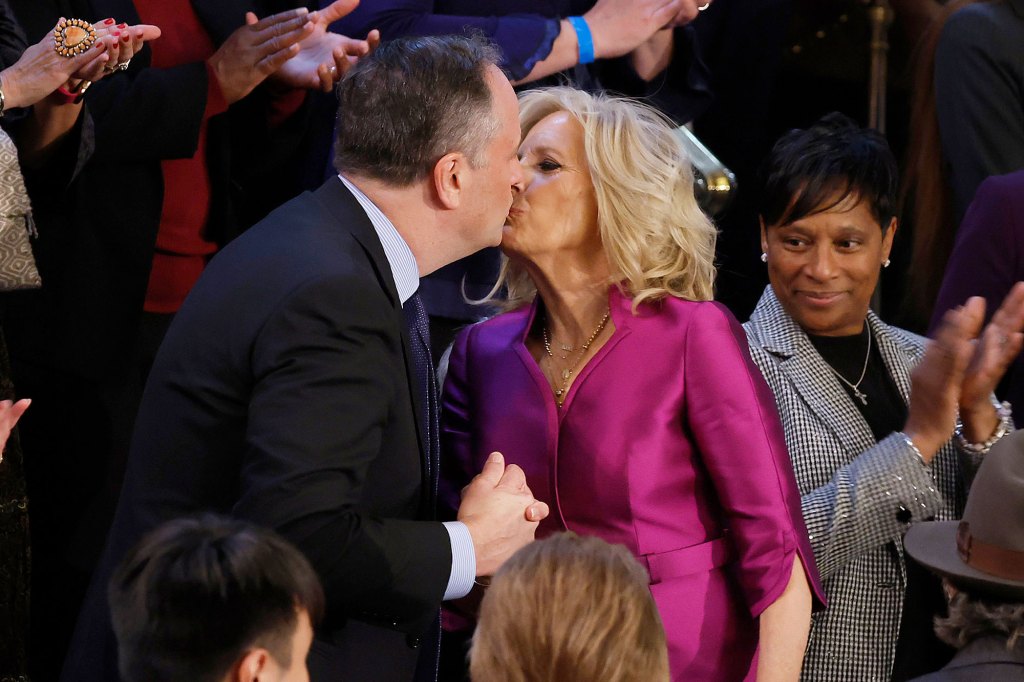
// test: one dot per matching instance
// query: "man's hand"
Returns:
(500, 512)
(258, 49)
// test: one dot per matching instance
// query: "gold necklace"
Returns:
(561, 391)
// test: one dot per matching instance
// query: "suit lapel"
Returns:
(810, 375)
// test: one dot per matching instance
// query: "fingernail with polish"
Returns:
(122, 25)
(124, 38)
(108, 22)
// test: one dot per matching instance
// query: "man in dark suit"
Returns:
(294, 387)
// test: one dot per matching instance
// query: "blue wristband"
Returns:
(584, 39)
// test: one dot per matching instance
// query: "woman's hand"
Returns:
(935, 384)
(122, 43)
(620, 26)
(324, 57)
(254, 51)
(997, 347)
(40, 70)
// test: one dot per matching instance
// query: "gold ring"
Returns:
(73, 37)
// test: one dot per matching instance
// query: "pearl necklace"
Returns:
(561, 391)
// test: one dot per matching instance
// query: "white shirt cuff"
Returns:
(460, 582)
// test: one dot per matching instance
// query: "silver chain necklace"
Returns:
(860, 395)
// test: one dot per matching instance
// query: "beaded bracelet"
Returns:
(1004, 427)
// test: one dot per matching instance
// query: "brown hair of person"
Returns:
(569, 608)
(926, 194)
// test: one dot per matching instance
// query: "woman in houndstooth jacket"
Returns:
(869, 412)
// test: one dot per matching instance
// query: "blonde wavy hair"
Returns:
(569, 608)
(658, 241)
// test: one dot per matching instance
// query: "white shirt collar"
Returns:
(400, 257)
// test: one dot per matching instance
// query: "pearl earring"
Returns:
(886, 263)
(764, 257)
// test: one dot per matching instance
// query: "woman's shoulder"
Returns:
(673, 310)
(498, 331)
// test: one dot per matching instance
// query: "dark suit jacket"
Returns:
(979, 95)
(282, 395)
(982, 660)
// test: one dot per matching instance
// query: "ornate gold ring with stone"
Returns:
(73, 37)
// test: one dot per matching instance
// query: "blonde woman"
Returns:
(569, 608)
(628, 397)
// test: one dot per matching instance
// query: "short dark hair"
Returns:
(411, 102)
(196, 593)
(833, 162)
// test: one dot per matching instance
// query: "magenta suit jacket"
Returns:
(668, 443)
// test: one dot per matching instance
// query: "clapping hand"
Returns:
(323, 56)
(40, 70)
(255, 51)
(935, 383)
(998, 346)
(620, 26)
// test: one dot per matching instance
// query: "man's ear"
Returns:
(449, 179)
(252, 667)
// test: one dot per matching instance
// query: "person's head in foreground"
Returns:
(607, 191)
(569, 608)
(828, 217)
(981, 557)
(210, 599)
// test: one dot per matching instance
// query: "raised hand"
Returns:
(40, 70)
(935, 384)
(324, 57)
(620, 26)
(122, 43)
(999, 345)
(254, 51)
(500, 512)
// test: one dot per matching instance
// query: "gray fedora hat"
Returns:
(984, 552)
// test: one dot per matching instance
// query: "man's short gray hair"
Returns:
(411, 102)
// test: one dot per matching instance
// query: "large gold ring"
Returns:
(73, 37)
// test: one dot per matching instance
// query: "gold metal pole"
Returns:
(880, 17)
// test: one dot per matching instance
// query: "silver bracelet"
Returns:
(1005, 425)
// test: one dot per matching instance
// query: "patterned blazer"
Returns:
(858, 496)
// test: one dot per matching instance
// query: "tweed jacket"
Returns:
(858, 496)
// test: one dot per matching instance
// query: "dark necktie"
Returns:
(423, 365)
